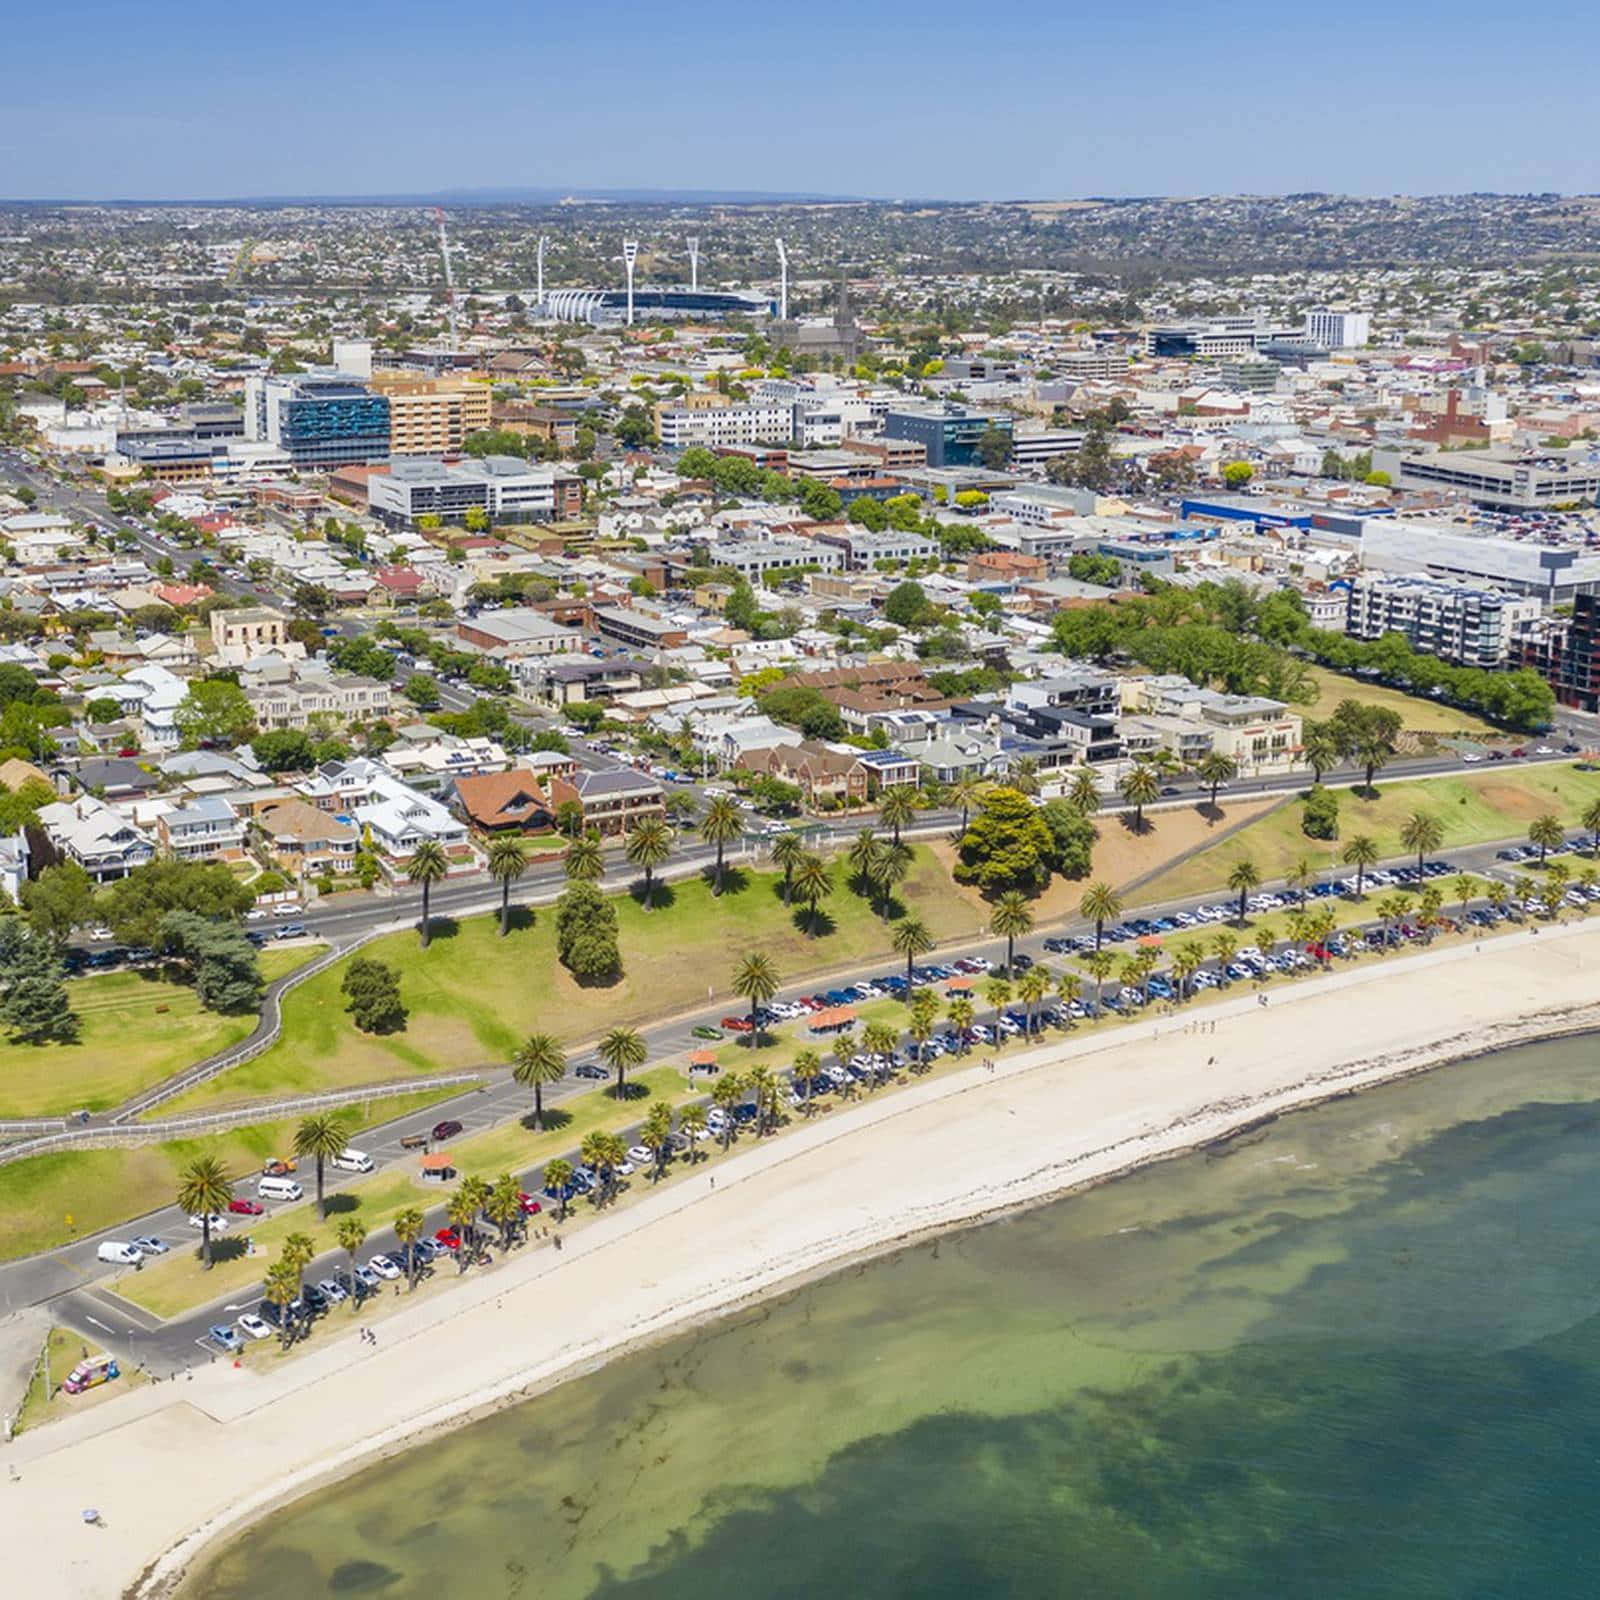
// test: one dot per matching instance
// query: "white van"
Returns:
(119, 1253)
(279, 1189)
(354, 1161)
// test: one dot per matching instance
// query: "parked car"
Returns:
(447, 1129)
(703, 1032)
(530, 1206)
(221, 1334)
(256, 1327)
(384, 1267)
(219, 1223)
(148, 1244)
(245, 1208)
(450, 1238)
(590, 1069)
(334, 1290)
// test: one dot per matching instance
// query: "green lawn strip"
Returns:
(134, 1030)
(1475, 808)
(98, 1188)
(1418, 714)
(472, 996)
(178, 1281)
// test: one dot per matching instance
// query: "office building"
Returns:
(1472, 627)
(321, 419)
(949, 433)
(1338, 330)
(1037, 447)
(754, 559)
(1215, 338)
(506, 488)
(431, 416)
(683, 427)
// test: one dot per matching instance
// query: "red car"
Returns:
(447, 1239)
(530, 1206)
(736, 1024)
(246, 1208)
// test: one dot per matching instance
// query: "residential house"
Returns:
(613, 800)
(828, 775)
(207, 828)
(101, 840)
(503, 802)
(307, 841)
(399, 819)
(247, 632)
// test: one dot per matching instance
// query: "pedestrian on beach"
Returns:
(713, 1180)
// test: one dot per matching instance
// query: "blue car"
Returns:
(224, 1336)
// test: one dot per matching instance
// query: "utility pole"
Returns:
(694, 262)
(630, 254)
(783, 283)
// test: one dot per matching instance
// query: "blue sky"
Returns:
(885, 98)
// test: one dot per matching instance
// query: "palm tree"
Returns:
(863, 856)
(656, 1135)
(427, 866)
(1373, 750)
(756, 980)
(507, 862)
(720, 826)
(408, 1228)
(1099, 963)
(1025, 776)
(352, 1234)
(1069, 987)
(1133, 971)
(924, 1016)
(888, 872)
(461, 1211)
(726, 1093)
(557, 1175)
(1187, 959)
(813, 882)
(584, 860)
(1242, 879)
(1361, 853)
(649, 845)
(1224, 947)
(997, 991)
(299, 1252)
(788, 850)
(965, 792)
(1390, 910)
(910, 938)
(622, 1049)
(1429, 904)
(1323, 923)
(1139, 788)
(280, 1287)
(898, 808)
(692, 1125)
(504, 1207)
(762, 1084)
(1142, 964)
(1463, 887)
(1032, 987)
(1499, 893)
(878, 1040)
(1084, 792)
(806, 1065)
(1421, 832)
(1587, 879)
(323, 1135)
(1011, 919)
(1320, 748)
(1546, 832)
(1100, 904)
(539, 1060)
(844, 1045)
(1591, 820)
(1552, 896)
(1216, 769)
(204, 1190)
(960, 1012)
(1301, 877)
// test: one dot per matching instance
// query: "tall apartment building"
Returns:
(321, 419)
(1456, 622)
(708, 426)
(1565, 651)
(431, 416)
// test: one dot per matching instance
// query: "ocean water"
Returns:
(1355, 1353)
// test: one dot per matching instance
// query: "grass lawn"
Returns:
(1497, 803)
(472, 996)
(49, 1200)
(178, 1281)
(1418, 714)
(135, 1031)
(47, 1402)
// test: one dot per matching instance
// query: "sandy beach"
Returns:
(174, 1466)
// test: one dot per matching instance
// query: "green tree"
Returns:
(623, 1050)
(320, 1137)
(408, 1229)
(1216, 769)
(997, 991)
(1100, 904)
(204, 1191)
(1011, 919)
(813, 883)
(1244, 877)
(1007, 845)
(898, 808)
(910, 938)
(1591, 822)
(507, 862)
(557, 1175)
(889, 871)
(755, 979)
(586, 933)
(1546, 832)
(214, 711)
(656, 1134)
(427, 866)
(222, 964)
(1362, 854)
(721, 824)
(58, 901)
(965, 792)
(134, 906)
(1139, 788)
(1421, 832)
(372, 993)
(584, 859)
(788, 850)
(994, 447)
(648, 846)
(538, 1060)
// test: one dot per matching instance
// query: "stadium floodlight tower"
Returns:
(540, 258)
(694, 262)
(783, 283)
(630, 254)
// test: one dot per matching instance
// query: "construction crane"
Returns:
(449, 279)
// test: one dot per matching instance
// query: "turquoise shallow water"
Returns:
(1354, 1354)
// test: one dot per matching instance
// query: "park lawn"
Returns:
(50, 1200)
(1418, 714)
(178, 1281)
(1476, 808)
(134, 1031)
(473, 996)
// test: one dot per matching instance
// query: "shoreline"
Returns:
(775, 1239)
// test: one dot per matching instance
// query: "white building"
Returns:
(1338, 330)
(507, 489)
(682, 427)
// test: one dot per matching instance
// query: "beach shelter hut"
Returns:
(438, 1167)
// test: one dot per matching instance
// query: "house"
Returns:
(102, 841)
(826, 774)
(503, 802)
(113, 778)
(307, 841)
(247, 632)
(341, 786)
(157, 693)
(399, 819)
(427, 758)
(205, 829)
(890, 769)
(613, 800)
(14, 864)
